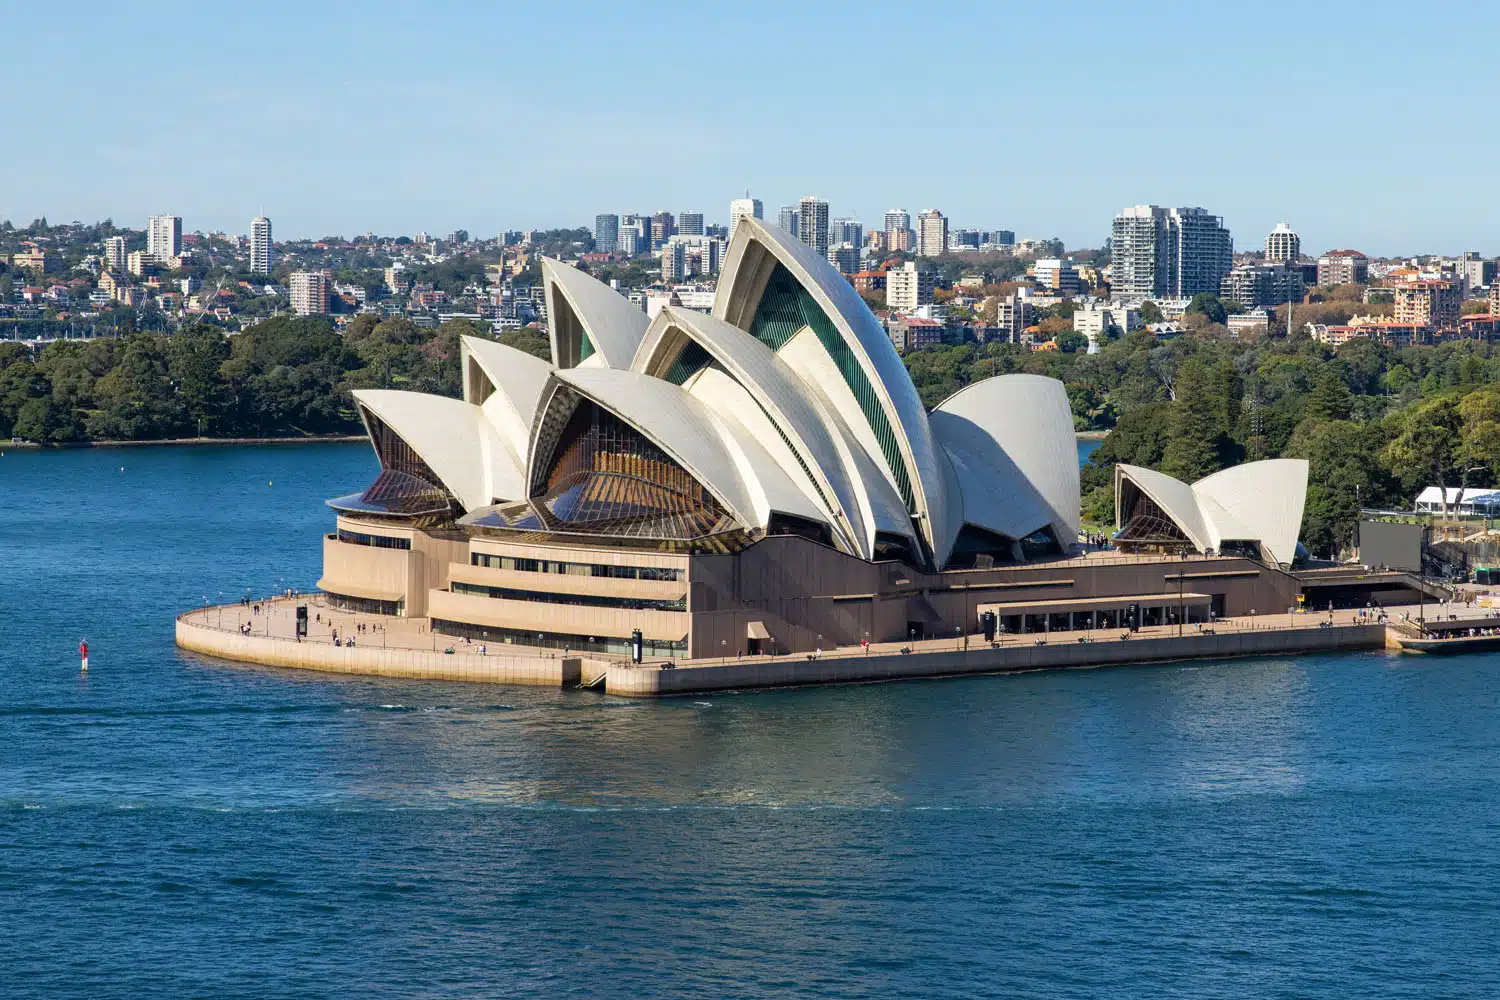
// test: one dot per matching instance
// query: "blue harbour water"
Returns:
(176, 827)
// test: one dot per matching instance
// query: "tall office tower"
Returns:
(812, 224)
(663, 228)
(1282, 245)
(787, 218)
(846, 231)
(1174, 252)
(260, 245)
(606, 233)
(1002, 238)
(114, 254)
(309, 293)
(164, 237)
(690, 223)
(932, 234)
(742, 208)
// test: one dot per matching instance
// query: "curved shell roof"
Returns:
(749, 267)
(580, 306)
(516, 380)
(733, 466)
(1011, 442)
(455, 439)
(1257, 501)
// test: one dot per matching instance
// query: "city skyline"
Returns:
(546, 102)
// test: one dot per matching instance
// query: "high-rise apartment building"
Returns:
(690, 223)
(634, 235)
(114, 254)
(812, 223)
(1343, 267)
(1429, 303)
(1495, 299)
(260, 245)
(673, 262)
(309, 293)
(1002, 238)
(846, 231)
(1282, 245)
(606, 233)
(1171, 252)
(787, 218)
(906, 288)
(896, 218)
(1255, 285)
(898, 234)
(164, 238)
(932, 234)
(1477, 271)
(845, 257)
(663, 228)
(744, 208)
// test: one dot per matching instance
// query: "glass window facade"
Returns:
(574, 600)
(364, 605)
(378, 541)
(614, 645)
(524, 565)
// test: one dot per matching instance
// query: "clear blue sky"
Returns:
(1370, 126)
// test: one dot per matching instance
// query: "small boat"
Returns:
(1464, 635)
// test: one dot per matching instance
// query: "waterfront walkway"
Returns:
(264, 632)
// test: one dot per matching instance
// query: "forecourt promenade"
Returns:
(404, 647)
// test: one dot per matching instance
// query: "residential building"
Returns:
(606, 233)
(787, 219)
(1014, 314)
(690, 223)
(932, 234)
(913, 333)
(1343, 267)
(1435, 304)
(674, 262)
(114, 254)
(1379, 329)
(1001, 238)
(634, 235)
(1255, 321)
(846, 231)
(1158, 251)
(1495, 299)
(1101, 321)
(896, 219)
(1476, 271)
(1253, 285)
(140, 262)
(260, 245)
(868, 282)
(1282, 245)
(164, 238)
(812, 224)
(309, 293)
(741, 208)
(906, 287)
(663, 228)
(1060, 276)
(845, 257)
(36, 259)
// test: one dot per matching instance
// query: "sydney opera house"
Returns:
(764, 479)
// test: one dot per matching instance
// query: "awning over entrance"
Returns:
(757, 630)
(1075, 605)
(359, 590)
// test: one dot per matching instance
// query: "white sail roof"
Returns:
(1255, 502)
(456, 441)
(516, 380)
(580, 306)
(753, 252)
(1010, 439)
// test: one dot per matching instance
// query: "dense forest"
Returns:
(1377, 423)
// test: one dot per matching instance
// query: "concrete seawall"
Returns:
(420, 664)
(758, 672)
